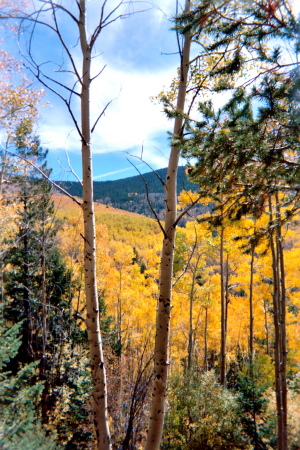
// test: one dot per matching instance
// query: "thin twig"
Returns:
(46, 177)
(148, 199)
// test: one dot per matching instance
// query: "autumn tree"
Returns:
(161, 358)
(37, 290)
(174, 103)
(18, 111)
(255, 167)
(202, 414)
(52, 15)
(250, 170)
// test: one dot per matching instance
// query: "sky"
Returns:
(140, 57)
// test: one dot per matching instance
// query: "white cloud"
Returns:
(296, 6)
(129, 47)
(164, 9)
(131, 121)
(114, 172)
(132, 118)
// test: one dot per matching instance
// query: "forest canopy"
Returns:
(124, 331)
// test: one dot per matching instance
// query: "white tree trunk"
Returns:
(92, 305)
(161, 359)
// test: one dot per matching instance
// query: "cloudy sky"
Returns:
(138, 58)
(139, 55)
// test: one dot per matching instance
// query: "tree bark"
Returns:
(191, 329)
(191, 336)
(282, 324)
(161, 357)
(223, 312)
(205, 338)
(279, 325)
(99, 394)
(251, 318)
(44, 398)
(266, 326)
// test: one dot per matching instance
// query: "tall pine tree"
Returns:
(37, 286)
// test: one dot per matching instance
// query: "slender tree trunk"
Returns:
(161, 357)
(279, 325)
(27, 325)
(223, 312)
(191, 343)
(2, 171)
(119, 311)
(191, 330)
(191, 313)
(44, 399)
(226, 298)
(205, 338)
(251, 318)
(3, 168)
(282, 324)
(266, 327)
(92, 306)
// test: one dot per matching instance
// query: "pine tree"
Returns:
(252, 384)
(19, 395)
(37, 286)
(250, 156)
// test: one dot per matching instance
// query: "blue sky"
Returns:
(138, 55)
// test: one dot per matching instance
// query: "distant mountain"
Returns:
(129, 194)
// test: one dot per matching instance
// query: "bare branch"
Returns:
(188, 261)
(46, 177)
(123, 16)
(70, 167)
(98, 74)
(62, 8)
(71, 59)
(71, 90)
(184, 212)
(47, 86)
(102, 113)
(148, 165)
(148, 199)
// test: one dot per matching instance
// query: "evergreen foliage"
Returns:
(246, 156)
(244, 160)
(38, 297)
(253, 383)
(109, 332)
(35, 277)
(19, 395)
(130, 193)
(247, 153)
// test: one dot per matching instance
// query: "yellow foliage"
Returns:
(128, 253)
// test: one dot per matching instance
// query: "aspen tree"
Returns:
(18, 107)
(92, 305)
(279, 307)
(257, 167)
(161, 358)
(223, 310)
(51, 15)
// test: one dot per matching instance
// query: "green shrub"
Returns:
(201, 415)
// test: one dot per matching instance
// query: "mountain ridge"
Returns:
(133, 194)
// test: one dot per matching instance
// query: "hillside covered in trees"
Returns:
(129, 252)
(136, 193)
(121, 331)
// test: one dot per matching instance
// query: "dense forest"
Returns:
(179, 331)
(136, 194)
